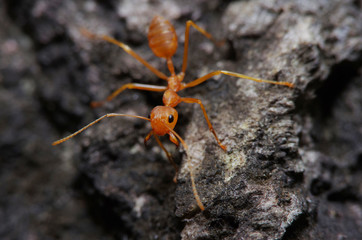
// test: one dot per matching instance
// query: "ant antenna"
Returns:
(96, 121)
(194, 190)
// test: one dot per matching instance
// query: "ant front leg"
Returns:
(170, 159)
(194, 100)
(138, 86)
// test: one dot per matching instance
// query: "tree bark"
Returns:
(292, 169)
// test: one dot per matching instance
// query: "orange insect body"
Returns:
(162, 38)
(171, 98)
(163, 42)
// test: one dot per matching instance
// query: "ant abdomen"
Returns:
(162, 37)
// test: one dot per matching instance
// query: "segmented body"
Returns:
(162, 37)
(162, 40)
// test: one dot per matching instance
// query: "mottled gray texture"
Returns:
(292, 169)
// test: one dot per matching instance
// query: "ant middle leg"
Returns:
(138, 86)
(194, 100)
(234, 74)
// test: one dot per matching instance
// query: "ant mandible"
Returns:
(162, 40)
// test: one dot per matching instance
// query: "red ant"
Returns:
(162, 40)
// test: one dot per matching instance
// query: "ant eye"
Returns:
(170, 118)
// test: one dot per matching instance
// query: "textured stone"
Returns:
(292, 169)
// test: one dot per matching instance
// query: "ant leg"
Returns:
(194, 100)
(238, 75)
(164, 149)
(173, 139)
(94, 122)
(190, 23)
(147, 138)
(126, 48)
(168, 156)
(138, 86)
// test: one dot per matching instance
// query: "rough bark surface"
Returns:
(293, 165)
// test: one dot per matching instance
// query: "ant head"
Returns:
(163, 118)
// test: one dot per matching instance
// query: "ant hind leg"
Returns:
(126, 48)
(190, 23)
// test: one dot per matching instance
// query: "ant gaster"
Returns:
(162, 40)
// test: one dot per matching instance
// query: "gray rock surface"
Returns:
(293, 165)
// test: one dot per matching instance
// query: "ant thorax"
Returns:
(171, 98)
(174, 83)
